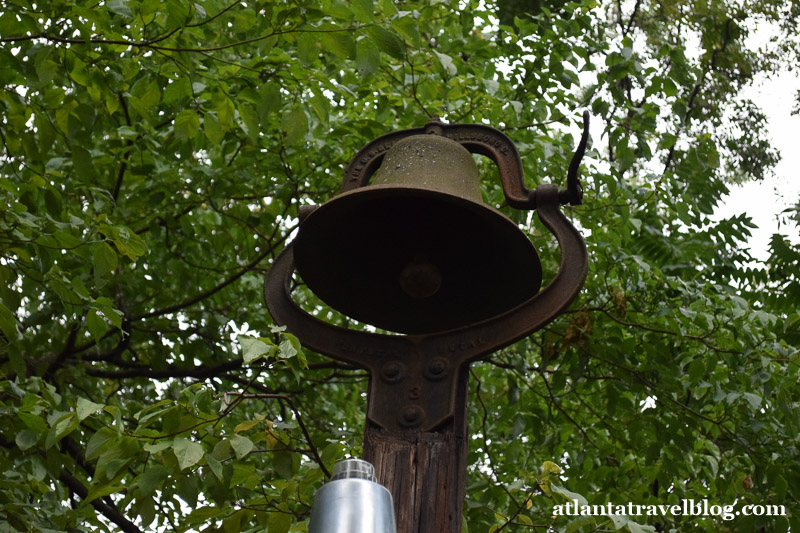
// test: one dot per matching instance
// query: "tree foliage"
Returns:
(154, 155)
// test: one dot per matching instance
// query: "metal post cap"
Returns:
(353, 468)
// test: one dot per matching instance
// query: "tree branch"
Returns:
(288, 400)
(109, 511)
(565, 413)
(151, 44)
(627, 29)
(142, 371)
(69, 346)
(696, 90)
(124, 163)
(203, 295)
(211, 18)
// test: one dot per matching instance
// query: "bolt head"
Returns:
(437, 369)
(411, 415)
(392, 372)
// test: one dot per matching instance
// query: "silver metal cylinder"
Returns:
(352, 502)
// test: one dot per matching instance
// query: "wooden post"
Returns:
(425, 471)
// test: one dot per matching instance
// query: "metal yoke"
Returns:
(413, 377)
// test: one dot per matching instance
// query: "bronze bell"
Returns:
(417, 251)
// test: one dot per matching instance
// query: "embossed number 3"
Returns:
(414, 393)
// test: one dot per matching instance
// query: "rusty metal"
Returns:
(478, 139)
(573, 194)
(417, 251)
(416, 373)
(414, 376)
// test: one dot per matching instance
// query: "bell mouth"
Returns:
(415, 261)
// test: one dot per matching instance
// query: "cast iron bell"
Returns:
(417, 251)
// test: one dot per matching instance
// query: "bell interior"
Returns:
(415, 261)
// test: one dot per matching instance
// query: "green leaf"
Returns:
(151, 478)
(669, 87)
(619, 521)
(98, 491)
(635, 527)
(408, 28)
(8, 323)
(126, 132)
(104, 258)
(295, 125)
(578, 523)
(697, 370)
(95, 324)
(106, 306)
(279, 521)
(158, 446)
(203, 514)
(225, 111)
(571, 496)
(447, 63)
(178, 91)
(53, 201)
(753, 399)
(363, 10)
(340, 43)
(247, 425)
(368, 58)
(284, 463)
(252, 349)
(126, 241)
(65, 425)
(116, 458)
(241, 445)
(120, 7)
(308, 47)
(33, 422)
(321, 107)
(85, 408)
(331, 453)
(216, 467)
(26, 439)
(549, 468)
(386, 41)
(188, 452)
(98, 441)
(212, 128)
(187, 124)
(287, 349)
(82, 163)
(249, 116)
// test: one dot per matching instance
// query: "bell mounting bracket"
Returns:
(413, 377)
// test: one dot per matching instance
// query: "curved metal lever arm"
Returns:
(573, 194)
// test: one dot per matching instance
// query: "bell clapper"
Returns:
(420, 278)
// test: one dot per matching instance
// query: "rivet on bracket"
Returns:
(437, 369)
(393, 372)
(411, 415)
